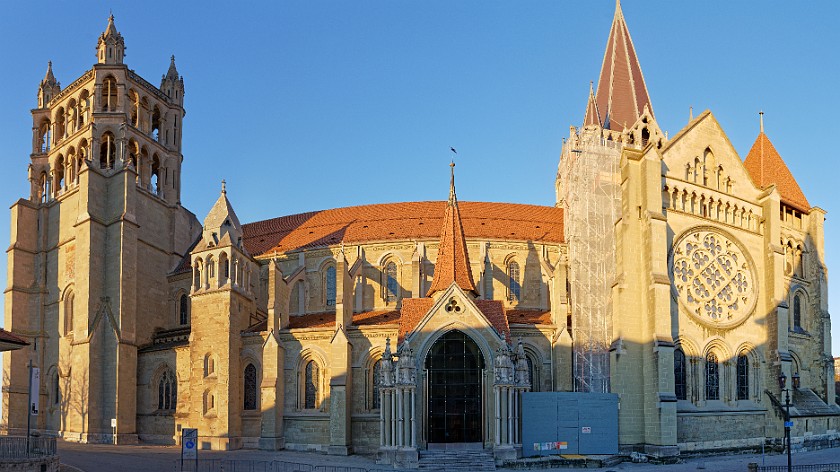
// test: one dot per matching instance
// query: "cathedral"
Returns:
(670, 272)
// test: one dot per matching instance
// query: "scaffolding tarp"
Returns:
(589, 194)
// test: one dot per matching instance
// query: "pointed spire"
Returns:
(49, 78)
(110, 48)
(111, 29)
(766, 167)
(592, 117)
(48, 88)
(172, 73)
(221, 220)
(622, 94)
(453, 263)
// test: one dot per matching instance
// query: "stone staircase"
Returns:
(466, 460)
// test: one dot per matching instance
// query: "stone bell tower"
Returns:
(92, 244)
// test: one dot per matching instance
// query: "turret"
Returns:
(110, 49)
(172, 84)
(49, 87)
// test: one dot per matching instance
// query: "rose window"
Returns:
(712, 277)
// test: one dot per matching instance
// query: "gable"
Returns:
(481, 319)
(702, 154)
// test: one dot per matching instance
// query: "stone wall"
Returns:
(703, 431)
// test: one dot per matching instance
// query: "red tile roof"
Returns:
(766, 167)
(327, 319)
(453, 261)
(376, 318)
(7, 337)
(402, 221)
(494, 311)
(622, 94)
(313, 320)
(531, 317)
(413, 310)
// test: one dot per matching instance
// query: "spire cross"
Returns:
(224, 189)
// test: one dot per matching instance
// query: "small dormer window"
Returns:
(226, 223)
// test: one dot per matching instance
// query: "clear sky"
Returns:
(311, 105)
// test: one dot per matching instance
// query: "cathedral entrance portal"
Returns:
(454, 366)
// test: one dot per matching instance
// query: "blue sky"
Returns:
(312, 105)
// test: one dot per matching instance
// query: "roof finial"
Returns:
(224, 187)
(761, 121)
(452, 199)
(690, 113)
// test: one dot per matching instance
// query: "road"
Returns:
(147, 458)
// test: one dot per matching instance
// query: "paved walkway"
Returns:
(146, 458)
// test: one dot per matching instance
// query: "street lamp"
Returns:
(788, 422)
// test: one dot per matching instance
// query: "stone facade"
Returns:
(318, 331)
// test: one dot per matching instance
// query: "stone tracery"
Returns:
(712, 277)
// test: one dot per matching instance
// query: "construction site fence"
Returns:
(224, 465)
(754, 467)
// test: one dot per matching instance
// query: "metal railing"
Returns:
(797, 468)
(225, 465)
(15, 447)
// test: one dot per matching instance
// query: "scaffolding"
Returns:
(588, 192)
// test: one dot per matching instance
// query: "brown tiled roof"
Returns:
(7, 337)
(413, 310)
(313, 320)
(402, 221)
(494, 311)
(531, 317)
(622, 94)
(453, 261)
(766, 167)
(185, 264)
(375, 318)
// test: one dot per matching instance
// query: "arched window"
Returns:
(376, 385)
(680, 375)
(514, 287)
(250, 393)
(209, 365)
(155, 132)
(197, 274)
(797, 312)
(743, 377)
(184, 310)
(211, 267)
(68, 312)
(311, 385)
(107, 151)
(209, 401)
(167, 391)
(532, 374)
(109, 94)
(155, 183)
(56, 389)
(329, 283)
(712, 377)
(392, 287)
